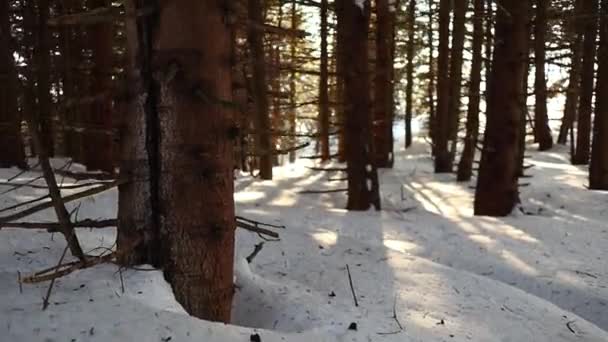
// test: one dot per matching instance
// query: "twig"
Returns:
(569, 325)
(45, 302)
(19, 205)
(53, 226)
(256, 250)
(20, 282)
(322, 191)
(255, 229)
(352, 288)
(328, 169)
(256, 223)
(396, 320)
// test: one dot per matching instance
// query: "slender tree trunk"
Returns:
(497, 193)
(292, 84)
(572, 92)
(465, 167)
(324, 86)
(541, 118)
(441, 134)
(431, 78)
(409, 71)
(583, 134)
(363, 189)
(523, 98)
(260, 92)
(42, 61)
(12, 152)
(460, 9)
(598, 167)
(383, 95)
(192, 203)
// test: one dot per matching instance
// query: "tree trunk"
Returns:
(460, 9)
(383, 95)
(264, 148)
(497, 193)
(598, 167)
(431, 86)
(324, 86)
(42, 61)
(292, 84)
(363, 189)
(541, 119)
(409, 71)
(441, 134)
(192, 203)
(523, 98)
(583, 132)
(12, 152)
(465, 167)
(572, 92)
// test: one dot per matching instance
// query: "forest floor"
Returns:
(422, 269)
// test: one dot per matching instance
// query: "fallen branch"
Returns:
(256, 250)
(352, 288)
(257, 223)
(54, 226)
(322, 191)
(328, 169)
(252, 228)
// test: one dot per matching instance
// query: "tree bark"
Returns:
(363, 188)
(12, 152)
(42, 61)
(460, 9)
(583, 132)
(497, 193)
(192, 203)
(465, 167)
(441, 134)
(431, 86)
(409, 72)
(324, 86)
(541, 118)
(598, 167)
(263, 135)
(572, 92)
(383, 94)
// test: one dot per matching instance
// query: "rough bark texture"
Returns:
(541, 119)
(441, 133)
(409, 71)
(324, 86)
(188, 53)
(383, 94)
(496, 193)
(353, 24)
(42, 61)
(598, 167)
(465, 166)
(263, 135)
(460, 9)
(12, 153)
(583, 132)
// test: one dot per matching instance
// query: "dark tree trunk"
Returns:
(363, 189)
(572, 92)
(383, 95)
(523, 98)
(465, 167)
(11, 153)
(541, 119)
(441, 133)
(42, 61)
(460, 9)
(324, 86)
(192, 203)
(98, 146)
(409, 72)
(497, 193)
(431, 86)
(264, 148)
(583, 132)
(292, 84)
(598, 167)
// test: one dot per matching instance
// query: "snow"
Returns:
(537, 275)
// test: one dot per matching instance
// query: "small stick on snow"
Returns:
(45, 302)
(352, 288)
(569, 325)
(256, 250)
(19, 280)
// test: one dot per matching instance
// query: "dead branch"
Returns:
(259, 230)
(54, 226)
(256, 250)
(352, 288)
(322, 191)
(328, 169)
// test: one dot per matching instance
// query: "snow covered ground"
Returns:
(423, 269)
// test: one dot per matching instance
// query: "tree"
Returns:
(441, 126)
(460, 9)
(180, 196)
(353, 22)
(598, 167)
(324, 86)
(12, 153)
(583, 134)
(409, 99)
(465, 166)
(541, 119)
(496, 193)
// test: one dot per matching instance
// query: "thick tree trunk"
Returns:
(497, 193)
(324, 86)
(363, 189)
(263, 137)
(465, 167)
(541, 119)
(98, 143)
(460, 9)
(42, 61)
(583, 132)
(409, 71)
(441, 133)
(383, 95)
(192, 203)
(598, 167)
(11, 153)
